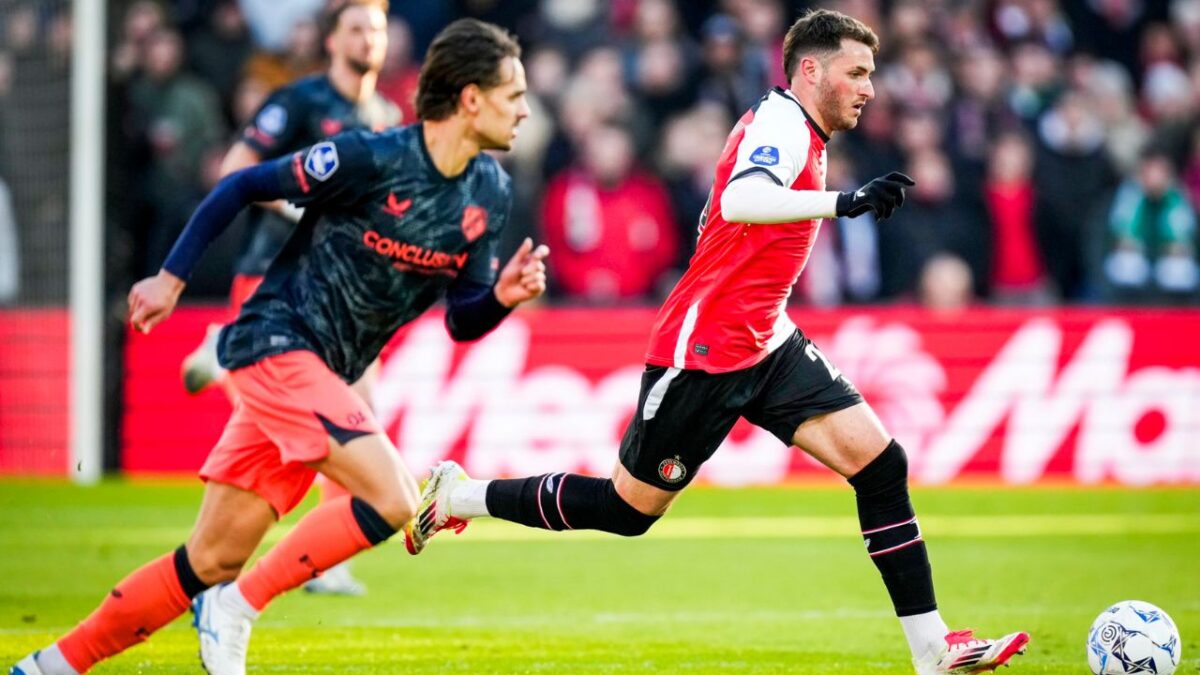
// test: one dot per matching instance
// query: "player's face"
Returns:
(360, 38)
(845, 85)
(502, 108)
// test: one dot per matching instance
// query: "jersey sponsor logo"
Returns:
(414, 258)
(396, 207)
(330, 126)
(322, 161)
(474, 222)
(272, 119)
(765, 156)
(672, 470)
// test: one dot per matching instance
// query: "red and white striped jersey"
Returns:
(728, 310)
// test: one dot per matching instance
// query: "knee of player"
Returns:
(397, 507)
(886, 473)
(214, 566)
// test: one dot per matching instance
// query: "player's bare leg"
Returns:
(383, 496)
(230, 526)
(338, 580)
(854, 443)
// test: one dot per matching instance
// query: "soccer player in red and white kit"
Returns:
(723, 347)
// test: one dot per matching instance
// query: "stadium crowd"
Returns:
(1055, 145)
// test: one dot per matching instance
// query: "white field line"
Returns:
(685, 528)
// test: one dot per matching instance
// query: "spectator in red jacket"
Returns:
(609, 223)
(1018, 273)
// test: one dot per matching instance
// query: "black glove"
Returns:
(882, 195)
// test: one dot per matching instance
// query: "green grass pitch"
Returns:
(755, 580)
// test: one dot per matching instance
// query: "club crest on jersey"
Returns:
(272, 119)
(765, 156)
(474, 222)
(672, 470)
(322, 161)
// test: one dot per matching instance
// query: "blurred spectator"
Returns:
(844, 264)
(398, 80)
(691, 145)
(945, 285)
(143, 19)
(218, 49)
(1074, 177)
(731, 77)
(178, 118)
(978, 113)
(1041, 21)
(1151, 251)
(1018, 273)
(1110, 95)
(763, 24)
(303, 55)
(1171, 104)
(1036, 79)
(609, 224)
(935, 219)
(273, 23)
(919, 73)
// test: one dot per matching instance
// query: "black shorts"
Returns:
(684, 415)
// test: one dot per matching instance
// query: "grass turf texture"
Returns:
(762, 580)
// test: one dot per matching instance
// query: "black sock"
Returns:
(566, 501)
(891, 532)
(188, 581)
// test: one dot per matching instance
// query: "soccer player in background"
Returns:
(723, 347)
(394, 221)
(293, 117)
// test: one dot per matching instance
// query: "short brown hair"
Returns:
(333, 14)
(466, 52)
(822, 31)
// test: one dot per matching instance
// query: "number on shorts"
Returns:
(814, 354)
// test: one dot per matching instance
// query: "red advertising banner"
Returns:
(1075, 395)
(34, 422)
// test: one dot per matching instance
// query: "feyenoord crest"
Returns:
(672, 470)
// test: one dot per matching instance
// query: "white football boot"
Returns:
(224, 634)
(964, 653)
(200, 368)
(433, 513)
(26, 666)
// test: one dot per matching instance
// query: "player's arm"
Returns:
(757, 199)
(152, 300)
(243, 155)
(475, 308)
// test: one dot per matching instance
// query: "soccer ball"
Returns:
(1133, 637)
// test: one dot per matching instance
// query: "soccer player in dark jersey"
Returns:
(293, 117)
(394, 222)
(296, 116)
(723, 347)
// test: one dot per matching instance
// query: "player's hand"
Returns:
(883, 196)
(152, 300)
(524, 277)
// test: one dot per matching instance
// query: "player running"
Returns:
(394, 222)
(723, 347)
(293, 117)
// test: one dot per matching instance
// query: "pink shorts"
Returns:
(287, 409)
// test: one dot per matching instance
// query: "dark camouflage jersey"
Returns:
(384, 235)
(296, 116)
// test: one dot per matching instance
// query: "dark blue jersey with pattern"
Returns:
(384, 236)
(293, 117)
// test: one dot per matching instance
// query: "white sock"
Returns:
(52, 662)
(231, 598)
(469, 499)
(926, 633)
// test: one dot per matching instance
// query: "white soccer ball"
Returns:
(1133, 637)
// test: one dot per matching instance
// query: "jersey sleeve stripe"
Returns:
(753, 170)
